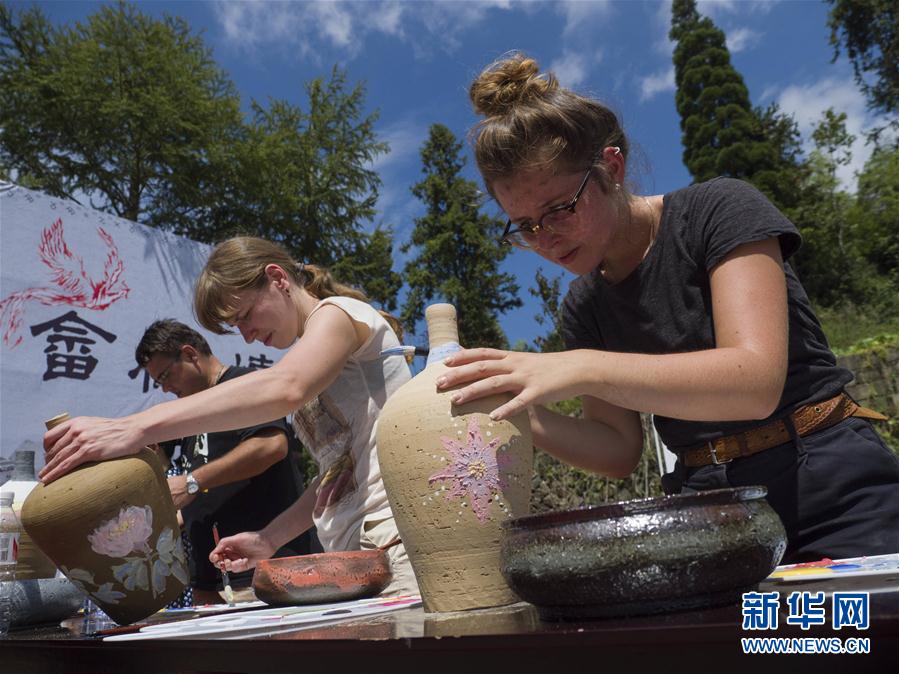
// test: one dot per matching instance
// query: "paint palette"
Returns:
(877, 565)
(261, 622)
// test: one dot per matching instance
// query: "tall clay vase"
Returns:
(111, 528)
(33, 564)
(452, 476)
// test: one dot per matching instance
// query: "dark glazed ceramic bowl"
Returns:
(647, 556)
(321, 578)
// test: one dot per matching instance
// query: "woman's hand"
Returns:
(241, 551)
(85, 439)
(532, 378)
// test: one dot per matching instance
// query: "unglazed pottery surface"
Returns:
(452, 476)
(321, 578)
(646, 556)
(111, 528)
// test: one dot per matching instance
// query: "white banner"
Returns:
(77, 290)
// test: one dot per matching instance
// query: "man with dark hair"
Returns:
(239, 479)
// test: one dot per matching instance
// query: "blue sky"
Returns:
(418, 59)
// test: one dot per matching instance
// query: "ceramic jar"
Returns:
(453, 476)
(33, 563)
(111, 528)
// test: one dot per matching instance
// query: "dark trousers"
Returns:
(836, 491)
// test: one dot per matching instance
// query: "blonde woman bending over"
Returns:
(332, 379)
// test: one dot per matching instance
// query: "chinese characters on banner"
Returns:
(77, 290)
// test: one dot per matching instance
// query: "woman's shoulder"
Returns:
(713, 190)
(357, 309)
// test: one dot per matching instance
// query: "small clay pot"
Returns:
(646, 556)
(321, 578)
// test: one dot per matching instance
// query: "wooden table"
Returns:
(496, 641)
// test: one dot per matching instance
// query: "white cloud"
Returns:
(713, 8)
(405, 139)
(661, 19)
(655, 84)
(807, 104)
(579, 15)
(396, 204)
(741, 39)
(307, 27)
(573, 68)
(389, 19)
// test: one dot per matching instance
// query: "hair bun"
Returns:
(508, 82)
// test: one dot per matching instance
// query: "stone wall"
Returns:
(876, 382)
(876, 385)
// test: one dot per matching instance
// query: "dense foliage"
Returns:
(457, 251)
(868, 30)
(120, 111)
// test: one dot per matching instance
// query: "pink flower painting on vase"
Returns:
(146, 565)
(475, 469)
(127, 533)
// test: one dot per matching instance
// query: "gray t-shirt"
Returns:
(665, 304)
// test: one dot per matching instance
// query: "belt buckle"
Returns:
(715, 454)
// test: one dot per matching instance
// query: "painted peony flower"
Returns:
(473, 470)
(127, 533)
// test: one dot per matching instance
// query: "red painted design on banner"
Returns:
(73, 286)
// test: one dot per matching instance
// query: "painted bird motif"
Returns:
(73, 286)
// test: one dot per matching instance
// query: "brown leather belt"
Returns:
(806, 419)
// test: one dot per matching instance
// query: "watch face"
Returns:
(192, 486)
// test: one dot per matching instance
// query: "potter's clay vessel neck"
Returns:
(57, 420)
(443, 331)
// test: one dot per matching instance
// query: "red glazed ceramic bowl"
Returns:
(321, 578)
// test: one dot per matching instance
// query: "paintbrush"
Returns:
(229, 593)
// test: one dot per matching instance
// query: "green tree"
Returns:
(549, 292)
(368, 265)
(830, 264)
(869, 32)
(877, 213)
(304, 178)
(458, 254)
(117, 111)
(722, 134)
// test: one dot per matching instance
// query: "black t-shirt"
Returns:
(246, 505)
(664, 306)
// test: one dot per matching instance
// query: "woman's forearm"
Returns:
(253, 398)
(587, 443)
(723, 384)
(294, 521)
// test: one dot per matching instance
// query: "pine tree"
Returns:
(722, 134)
(303, 177)
(869, 32)
(116, 111)
(458, 253)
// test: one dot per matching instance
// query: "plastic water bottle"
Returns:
(9, 553)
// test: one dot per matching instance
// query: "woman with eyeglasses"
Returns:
(333, 380)
(685, 308)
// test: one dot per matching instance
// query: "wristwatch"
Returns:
(193, 487)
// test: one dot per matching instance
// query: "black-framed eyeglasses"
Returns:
(553, 221)
(164, 375)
